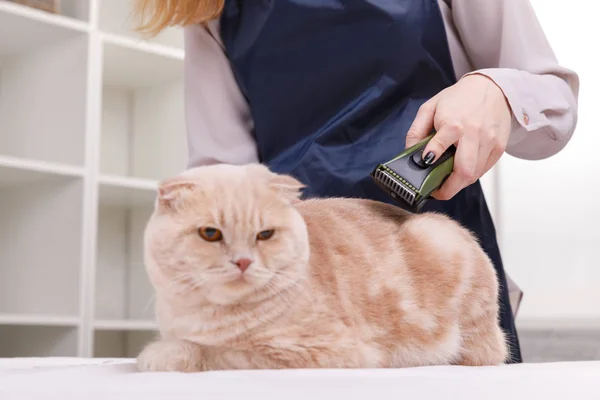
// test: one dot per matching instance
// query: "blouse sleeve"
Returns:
(505, 41)
(218, 123)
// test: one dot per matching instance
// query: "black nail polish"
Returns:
(429, 158)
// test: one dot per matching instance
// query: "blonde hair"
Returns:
(156, 15)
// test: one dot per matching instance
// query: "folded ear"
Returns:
(288, 186)
(172, 192)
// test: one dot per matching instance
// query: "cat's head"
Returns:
(226, 234)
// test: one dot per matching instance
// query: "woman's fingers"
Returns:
(448, 135)
(423, 123)
(466, 160)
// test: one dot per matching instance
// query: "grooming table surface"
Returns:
(91, 379)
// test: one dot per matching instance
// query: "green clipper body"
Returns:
(408, 180)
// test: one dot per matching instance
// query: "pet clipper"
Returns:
(408, 180)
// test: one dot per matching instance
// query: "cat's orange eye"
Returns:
(265, 235)
(210, 234)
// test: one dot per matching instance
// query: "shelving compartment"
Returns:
(124, 296)
(116, 17)
(121, 343)
(143, 127)
(40, 245)
(42, 83)
(38, 341)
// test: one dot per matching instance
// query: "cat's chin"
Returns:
(227, 296)
(240, 283)
(239, 290)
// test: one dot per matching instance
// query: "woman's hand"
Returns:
(474, 115)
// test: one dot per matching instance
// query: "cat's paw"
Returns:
(170, 356)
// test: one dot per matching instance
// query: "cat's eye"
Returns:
(265, 235)
(210, 234)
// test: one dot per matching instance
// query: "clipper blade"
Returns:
(409, 180)
(406, 197)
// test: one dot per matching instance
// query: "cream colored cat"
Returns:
(247, 276)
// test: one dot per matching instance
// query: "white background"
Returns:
(549, 213)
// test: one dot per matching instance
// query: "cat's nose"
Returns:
(243, 263)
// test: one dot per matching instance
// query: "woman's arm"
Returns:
(512, 95)
(504, 41)
(218, 123)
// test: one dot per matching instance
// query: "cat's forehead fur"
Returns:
(228, 193)
(226, 176)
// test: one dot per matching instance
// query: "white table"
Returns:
(91, 379)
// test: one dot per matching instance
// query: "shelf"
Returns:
(125, 325)
(39, 320)
(19, 171)
(38, 341)
(42, 28)
(43, 77)
(49, 100)
(127, 192)
(121, 343)
(40, 246)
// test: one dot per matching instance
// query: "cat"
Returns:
(247, 275)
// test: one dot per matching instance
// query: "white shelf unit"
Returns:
(91, 118)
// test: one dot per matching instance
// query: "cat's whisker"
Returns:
(197, 283)
(186, 283)
(274, 292)
(291, 282)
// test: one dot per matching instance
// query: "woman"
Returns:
(327, 89)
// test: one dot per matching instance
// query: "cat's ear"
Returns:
(287, 186)
(173, 192)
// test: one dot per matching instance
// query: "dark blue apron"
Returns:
(333, 86)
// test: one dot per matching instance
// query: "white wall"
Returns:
(549, 231)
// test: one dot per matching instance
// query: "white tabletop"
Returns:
(92, 379)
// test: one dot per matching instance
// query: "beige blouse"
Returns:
(499, 38)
